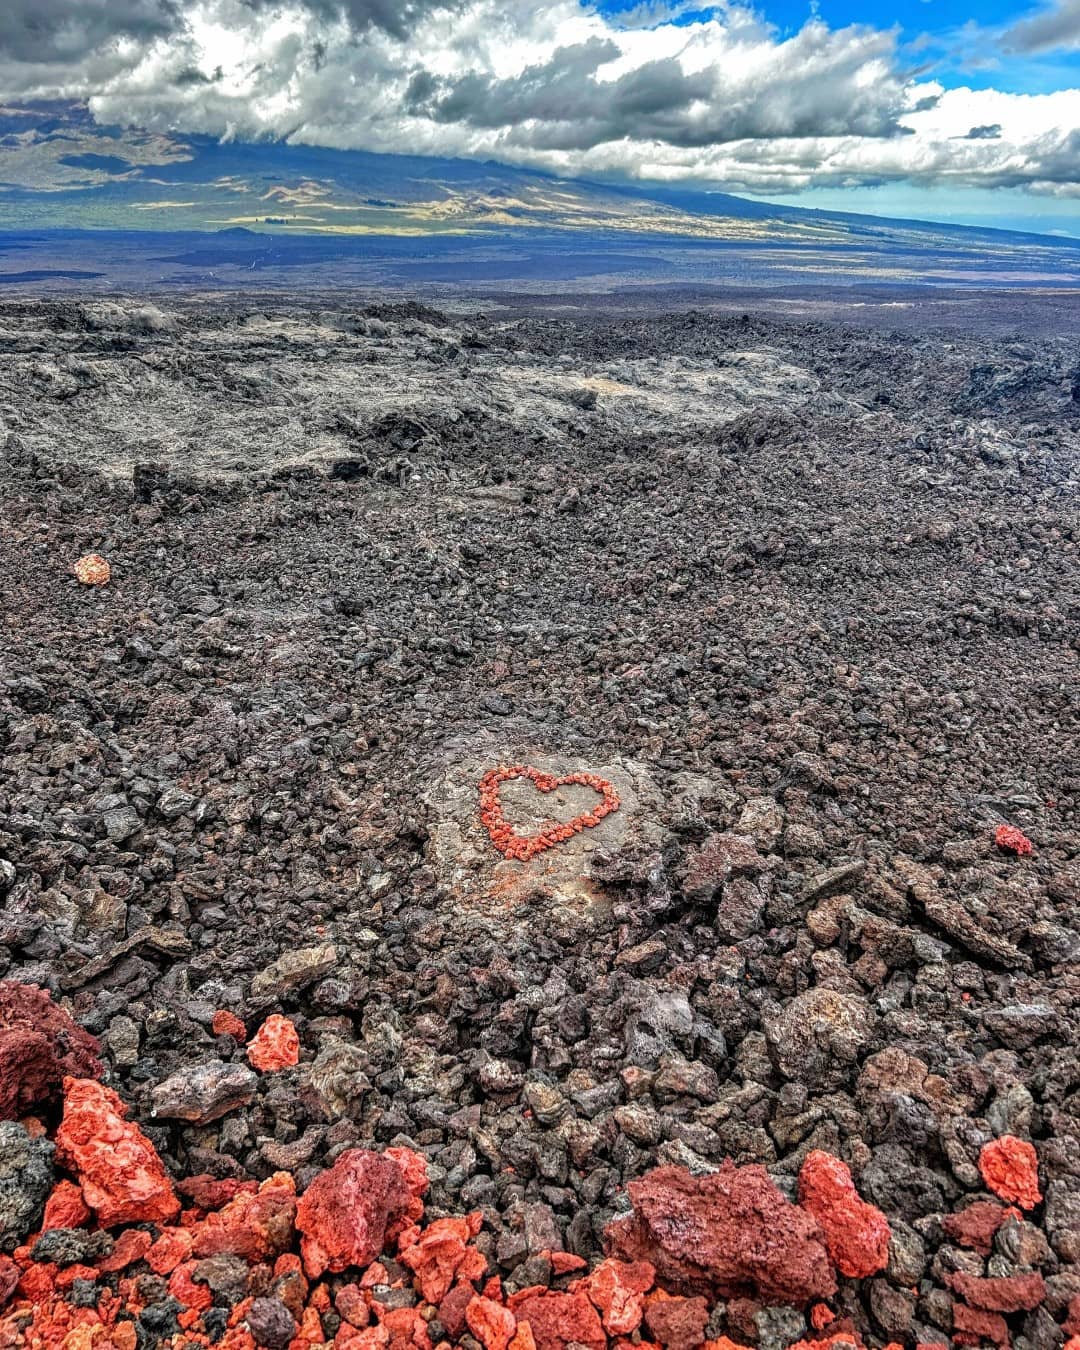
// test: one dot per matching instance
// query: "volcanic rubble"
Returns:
(793, 1058)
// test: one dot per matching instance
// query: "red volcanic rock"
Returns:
(491, 1323)
(40, 1045)
(345, 1213)
(856, 1233)
(1071, 1325)
(1012, 840)
(227, 1023)
(677, 1323)
(209, 1192)
(452, 1309)
(730, 1234)
(9, 1278)
(65, 1207)
(521, 847)
(274, 1046)
(972, 1327)
(130, 1246)
(557, 1320)
(256, 1226)
(1008, 1294)
(975, 1226)
(1010, 1169)
(122, 1178)
(441, 1254)
(618, 1289)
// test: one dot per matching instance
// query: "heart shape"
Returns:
(523, 847)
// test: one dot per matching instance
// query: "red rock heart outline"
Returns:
(523, 847)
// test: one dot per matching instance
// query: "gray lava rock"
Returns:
(293, 970)
(204, 1092)
(817, 1038)
(653, 1029)
(26, 1177)
(71, 1246)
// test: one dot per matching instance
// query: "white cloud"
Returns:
(548, 83)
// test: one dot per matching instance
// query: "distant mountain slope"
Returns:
(58, 169)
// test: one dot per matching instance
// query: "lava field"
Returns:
(536, 832)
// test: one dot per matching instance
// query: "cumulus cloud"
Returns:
(723, 101)
(40, 31)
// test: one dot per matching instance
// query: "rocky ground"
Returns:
(808, 597)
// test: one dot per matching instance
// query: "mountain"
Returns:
(268, 204)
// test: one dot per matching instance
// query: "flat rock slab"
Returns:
(472, 871)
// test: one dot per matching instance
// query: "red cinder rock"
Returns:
(256, 1226)
(39, 1046)
(491, 1323)
(557, 1320)
(1011, 840)
(407, 1329)
(1010, 1169)
(437, 1254)
(452, 1309)
(227, 1023)
(975, 1226)
(1007, 1294)
(971, 1327)
(345, 1213)
(9, 1278)
(618, 1289)
(677, 1323)
(209, 1192)
(122, 1178)
(730, 1234)
(274, 1046)
(65, 1207)
(856, 1233)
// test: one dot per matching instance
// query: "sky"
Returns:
(931, 109)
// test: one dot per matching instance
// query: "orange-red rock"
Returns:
(274, 1046)
(186, 1291)
(40, 1045)
(436, 1254)
(65, 1207)
(617, 1289)
(1010, 1169)
(492, 1324)
(557, 1320)
(227, 1023)
(856, 1233)
(92, 570)
(1011, 840)
(130, 1246)
(257, 1226)
(345, 1213)
(730, 1234)
(122, 1178)
(172, 1247)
